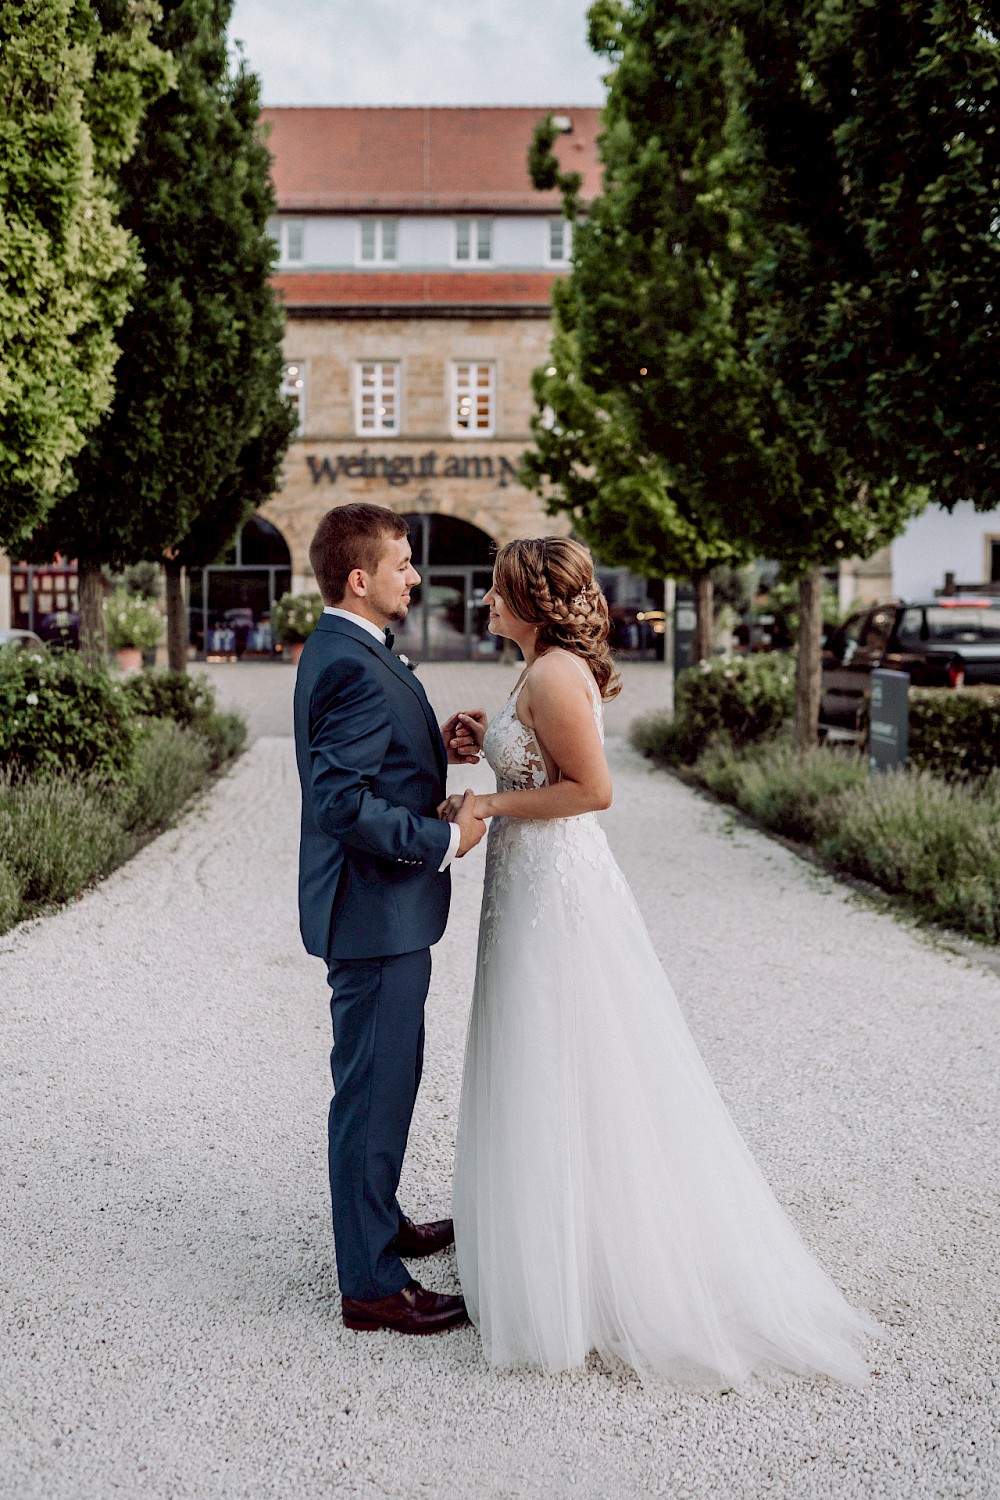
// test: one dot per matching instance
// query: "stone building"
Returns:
(416, 263)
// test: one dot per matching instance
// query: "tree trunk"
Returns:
(703, 607)
(90, 592)
(807, 666)
(176, 618)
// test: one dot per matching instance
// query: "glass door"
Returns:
(445, 592)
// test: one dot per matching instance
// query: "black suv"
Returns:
(939, 642)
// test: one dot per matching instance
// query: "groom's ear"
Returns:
(356, 585)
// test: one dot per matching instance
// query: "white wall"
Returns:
(329, 241)
(520, 242)
(936, 543)
(424, 241)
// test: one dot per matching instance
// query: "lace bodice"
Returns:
(544, 857)
(512, 750)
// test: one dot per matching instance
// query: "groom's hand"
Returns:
(471, 828)
(463, 736)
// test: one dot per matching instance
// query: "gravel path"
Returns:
(170, 1321)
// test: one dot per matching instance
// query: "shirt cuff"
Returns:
(455, 838)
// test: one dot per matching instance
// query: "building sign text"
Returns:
(400, 468)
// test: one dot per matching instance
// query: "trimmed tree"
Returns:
(74, 81)
(873, 130)
(585, 462)
(861, 146)
(666, 277)
(198, 427)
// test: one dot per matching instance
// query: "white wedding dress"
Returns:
(604, 1200)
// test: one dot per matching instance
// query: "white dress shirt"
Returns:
(454, 832)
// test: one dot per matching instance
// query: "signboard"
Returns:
(400, 468)
(684, 623)
(889, 720)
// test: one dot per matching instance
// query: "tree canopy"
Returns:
(74, 81)
(197, 412)
(869, 154)
(785, 291)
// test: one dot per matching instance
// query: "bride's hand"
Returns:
(448, 809)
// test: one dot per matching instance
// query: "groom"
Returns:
(373, 896)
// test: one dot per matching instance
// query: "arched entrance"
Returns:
(229, 604)
(447, 619)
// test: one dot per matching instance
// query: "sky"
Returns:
(420, 51)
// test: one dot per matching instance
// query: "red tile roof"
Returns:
(303, 289)
(419, 159)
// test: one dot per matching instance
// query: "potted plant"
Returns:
(133, 625)
(295, 617)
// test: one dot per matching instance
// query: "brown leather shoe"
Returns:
(415, 1240)
(413, 1310)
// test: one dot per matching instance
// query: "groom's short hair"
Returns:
(349, 537)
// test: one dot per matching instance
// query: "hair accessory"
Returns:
(580, 599)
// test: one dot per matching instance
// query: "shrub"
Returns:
(171, 695)
(659, 734)
(59, 715)
(743, 699)
(295, 616)
(938, 844)
(170, 766)
(190, 703)
(10, 897)
(225, 734)
(131, 620)
(57, 835)
(955, 734)
(794, 795)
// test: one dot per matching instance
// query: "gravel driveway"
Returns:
(170, 1322)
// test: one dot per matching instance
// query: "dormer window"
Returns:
(378, 240)
(473, 240)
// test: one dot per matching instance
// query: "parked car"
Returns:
(938, 642)
(20, 640)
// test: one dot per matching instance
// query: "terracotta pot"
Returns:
(129, 660)
(295, 649)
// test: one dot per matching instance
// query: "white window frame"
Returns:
(379, 258)
(295, 383)
(461, 385)
(567, 229)
(474, 228)
(380, 366)
(284, 235)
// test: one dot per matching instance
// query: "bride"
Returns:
(604, 1200)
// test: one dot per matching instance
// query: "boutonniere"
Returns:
(407, 662)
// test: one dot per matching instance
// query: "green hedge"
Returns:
(59, 716)
(171, 695)
(791, 794)
(740, 699)
(190, 703)
(955, 734)
(933, 843)
(88, 767)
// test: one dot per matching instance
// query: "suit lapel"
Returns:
(385, 656)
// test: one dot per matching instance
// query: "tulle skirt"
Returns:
(604, 1199)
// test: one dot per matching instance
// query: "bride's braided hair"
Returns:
(549, 581)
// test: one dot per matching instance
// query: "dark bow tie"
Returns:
(389, 638)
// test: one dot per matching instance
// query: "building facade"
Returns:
(416, 263)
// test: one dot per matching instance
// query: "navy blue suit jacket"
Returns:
(372, 767)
